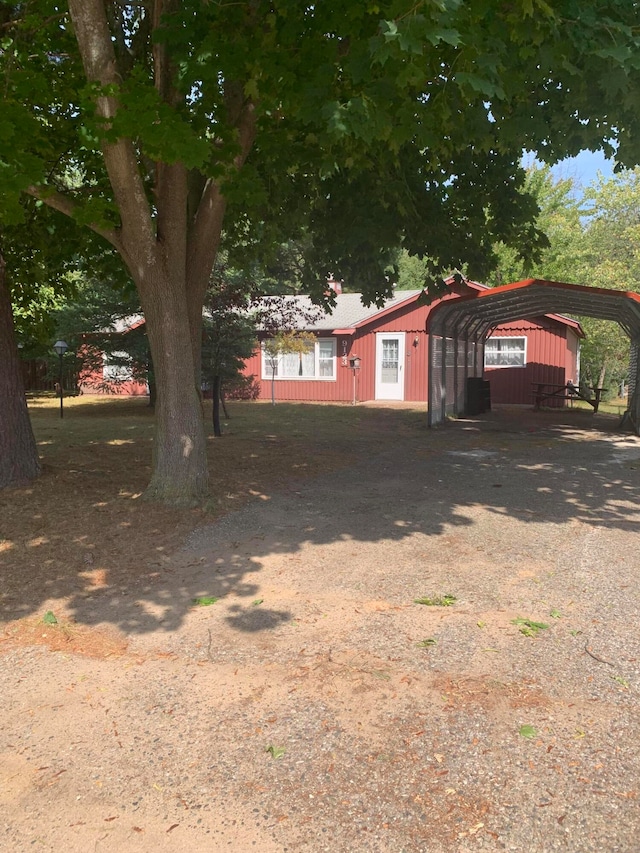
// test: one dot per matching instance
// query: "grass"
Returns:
(616, 406)
(83, 525)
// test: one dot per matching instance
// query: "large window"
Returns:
(116, 367)
(318, 362)
(505, 352)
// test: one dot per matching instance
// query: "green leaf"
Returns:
(257, 602)
(275, 751)
(620, 680)
(480, 84)
(49, 618)
(424, 644)
(528, 731)
(555, 614)
(205, 600)
(528, 627)
(445, 600)
(451, 37)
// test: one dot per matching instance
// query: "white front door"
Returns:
(390, 366)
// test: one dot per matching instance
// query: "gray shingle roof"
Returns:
(348, 311)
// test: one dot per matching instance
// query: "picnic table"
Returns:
(549, 391)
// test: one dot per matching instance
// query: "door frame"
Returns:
(386, 391)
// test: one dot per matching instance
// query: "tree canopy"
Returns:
(594, 239)
(170, 126)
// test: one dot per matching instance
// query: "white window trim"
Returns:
(267, 372)
(505, 338)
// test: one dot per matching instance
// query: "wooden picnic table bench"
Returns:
(568, 391)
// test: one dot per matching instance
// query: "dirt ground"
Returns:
(269, 682)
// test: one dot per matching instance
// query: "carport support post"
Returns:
(443, 376)
(430, 367)
(455, 374)
(466, 363)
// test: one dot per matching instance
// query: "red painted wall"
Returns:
(551, 356)
(411, 320)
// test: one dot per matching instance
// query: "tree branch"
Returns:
(207, 223)
(64, 204)
(98, 57)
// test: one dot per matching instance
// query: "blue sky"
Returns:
(584, 168)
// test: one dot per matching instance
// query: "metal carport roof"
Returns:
(469, 319)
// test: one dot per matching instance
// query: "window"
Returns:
(505, 352)
(116, 367)
(318, 362)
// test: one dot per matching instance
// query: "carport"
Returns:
(458, 328)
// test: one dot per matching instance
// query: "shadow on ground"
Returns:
(81, 535)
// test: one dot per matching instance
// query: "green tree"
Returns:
(229, 337)
(609, 258)
(594, 240)
(102, 319)
(373, 125)
(560, 220)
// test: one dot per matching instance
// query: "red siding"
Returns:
(340, 389)
(411, 320)
(551, 357)
(548, 360)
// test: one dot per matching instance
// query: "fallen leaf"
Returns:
(528, 731)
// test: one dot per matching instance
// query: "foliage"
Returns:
(593, 240)
(366, 126)
(610, 259)
(445, 600)
(205, 600)
(559, 218)
(40, 255)
(103, 326)
(528, 627)
(528, 731)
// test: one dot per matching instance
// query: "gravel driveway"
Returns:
(316, 707)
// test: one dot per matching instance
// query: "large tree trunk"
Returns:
(180, 474)
(169, 245)
(19, 460)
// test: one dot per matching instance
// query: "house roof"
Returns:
(347, 314)
(350, 314)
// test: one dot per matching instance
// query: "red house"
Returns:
(110, 374)
(374, 353)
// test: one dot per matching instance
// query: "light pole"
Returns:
(61, 347)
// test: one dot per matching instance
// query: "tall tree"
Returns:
(19, 461)
(609, 257)
(35, 259)
(375, 124)
(560, 220)
(594, 239)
